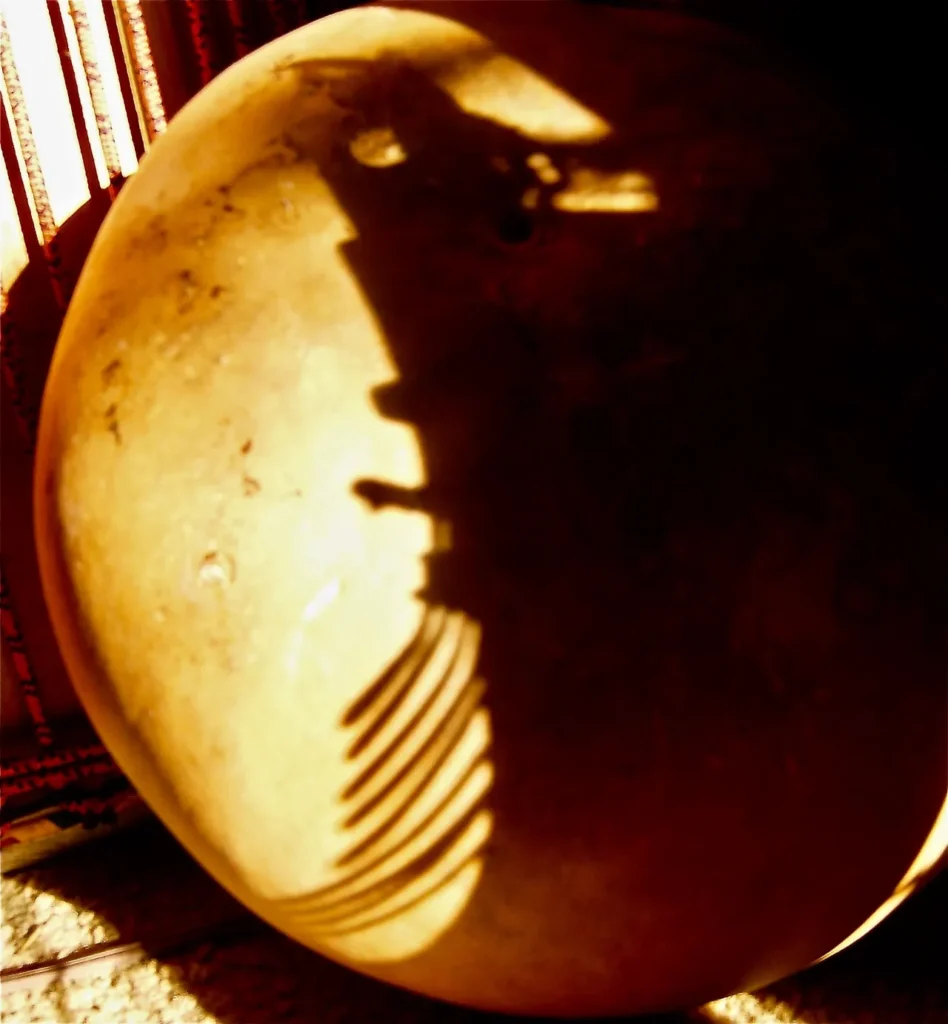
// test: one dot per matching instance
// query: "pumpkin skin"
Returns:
(462, 519)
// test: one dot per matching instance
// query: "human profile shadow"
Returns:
(674, 454)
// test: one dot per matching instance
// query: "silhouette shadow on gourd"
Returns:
(678, 478)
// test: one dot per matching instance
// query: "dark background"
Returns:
(889, 60)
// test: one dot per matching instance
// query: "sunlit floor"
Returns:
(139, 889)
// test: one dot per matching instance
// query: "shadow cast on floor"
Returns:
(141, 887)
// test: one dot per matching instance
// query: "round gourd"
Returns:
(482, 503)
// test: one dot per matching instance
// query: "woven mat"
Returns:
(183, 951)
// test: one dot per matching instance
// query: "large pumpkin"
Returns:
(483, 504)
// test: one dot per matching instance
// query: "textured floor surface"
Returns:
(140, 888)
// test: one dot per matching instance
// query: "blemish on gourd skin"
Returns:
(188, 291)
(154, 237)
(217, 569)
(112, 424)
(109, 371)
(284, 151)
(251, 485)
